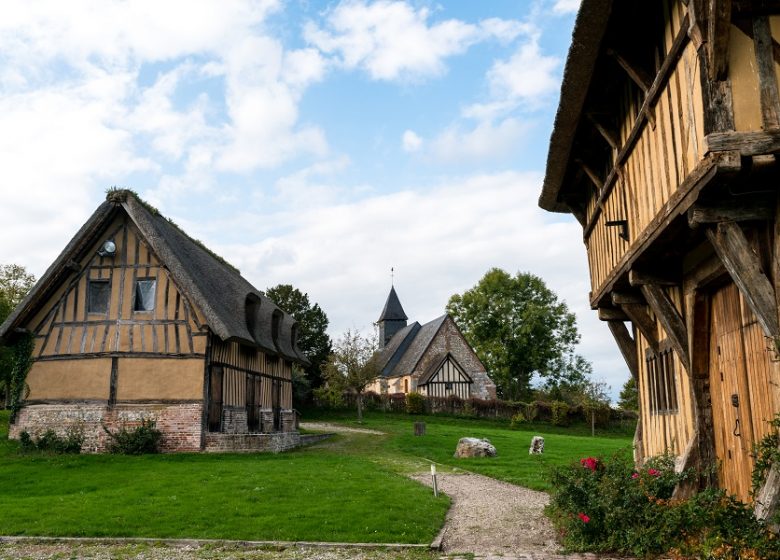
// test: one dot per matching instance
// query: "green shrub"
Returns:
(767, 453)
(329, 398)
(517, 420)
(140, 440)
(560, 413)
(610, 506)
(50, 442)
(415, 403)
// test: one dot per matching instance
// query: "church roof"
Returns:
(393, 310)
(216, 287)
(403, 352)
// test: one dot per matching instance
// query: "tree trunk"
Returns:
(360, 407)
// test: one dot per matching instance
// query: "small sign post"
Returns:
(435, 485)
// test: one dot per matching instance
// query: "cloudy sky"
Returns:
(316, 143)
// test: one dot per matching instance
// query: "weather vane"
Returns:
(392, 276)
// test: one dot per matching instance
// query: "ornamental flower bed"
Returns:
(611, 506)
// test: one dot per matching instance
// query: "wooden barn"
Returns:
(136, 320)
(664, 149)
(433, 359)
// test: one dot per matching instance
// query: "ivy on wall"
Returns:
(21, 361)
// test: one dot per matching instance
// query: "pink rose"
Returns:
(583, 517)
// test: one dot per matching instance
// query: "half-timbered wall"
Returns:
(664, 396)
(661, 141)
(240, 363)
(120, 354)
(449, 380)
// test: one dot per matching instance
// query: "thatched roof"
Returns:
(220, 292)
(589, 30)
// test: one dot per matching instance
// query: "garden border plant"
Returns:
(140, 440)
(610, 506)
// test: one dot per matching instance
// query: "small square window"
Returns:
(98, 296)
(448, 386)
(145, 291)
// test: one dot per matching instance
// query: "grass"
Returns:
(314, 494)
(347, 489)
(512, 463)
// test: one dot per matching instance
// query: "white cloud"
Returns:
(392, 40)
(485, 141)
(410, 141)
(440, 241)
(566, 6)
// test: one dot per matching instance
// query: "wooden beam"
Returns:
(612, 314)
(671, 320)
(721, 165)
(767, 78)
(746, 26)
(592, 175)
(752, 7)
(718, 100)
(738, 211)
(627, 346)
(718, 26)
(636, 278)
(697, 24)
(623, 298)
(640, 76)
(768, 498)
(609, 135)
(642, 321)
(744, 267)
(746, 143)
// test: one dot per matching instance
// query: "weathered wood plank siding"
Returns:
(654, 158)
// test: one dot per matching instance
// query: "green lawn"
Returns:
(311, 494)
(512, 463)
(350, 488)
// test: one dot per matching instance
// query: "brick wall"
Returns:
(251, 443)
(179, 423)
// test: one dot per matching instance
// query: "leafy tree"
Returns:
(313, 339)
(350, 366)
(517, 327)
(573, 384)
(629, 395)
(15, 282)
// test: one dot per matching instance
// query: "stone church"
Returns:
(433, 359)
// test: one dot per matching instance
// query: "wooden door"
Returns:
(215, 399)
(276, 396)
(742, 403)
(253, 402)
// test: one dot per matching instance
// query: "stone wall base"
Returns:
(179, 423)
(252, 443)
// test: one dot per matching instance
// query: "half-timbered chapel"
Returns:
(665, 150)
(136, 320)
(433, 359)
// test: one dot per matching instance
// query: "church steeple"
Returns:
(392, 320)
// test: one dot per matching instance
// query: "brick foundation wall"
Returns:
(179, 423)
(252, 443)
(234, 420)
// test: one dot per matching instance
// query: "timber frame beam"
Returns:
(635, 309)
(744, 267)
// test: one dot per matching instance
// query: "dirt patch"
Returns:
(326, 427)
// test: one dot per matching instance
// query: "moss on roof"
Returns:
(116, 195)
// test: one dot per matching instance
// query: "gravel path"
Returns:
(490, 517)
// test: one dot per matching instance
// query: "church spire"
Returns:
(392, 319)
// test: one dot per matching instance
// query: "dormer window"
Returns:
(145, 291)
(276, 322)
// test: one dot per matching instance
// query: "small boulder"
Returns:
(537, 446)
(473, 447)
